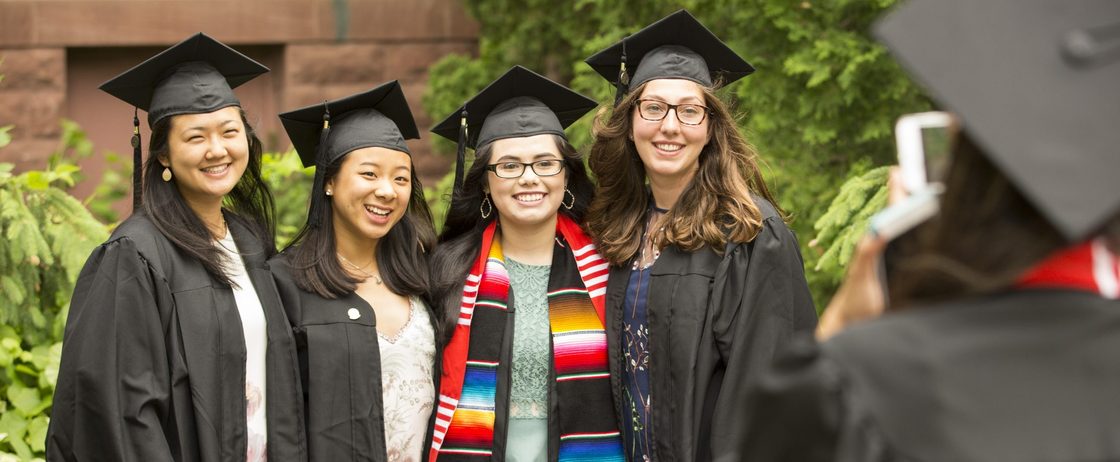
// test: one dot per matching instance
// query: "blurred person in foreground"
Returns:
(1002, 333)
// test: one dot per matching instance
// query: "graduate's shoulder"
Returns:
(767, 209)
(140, 233)
(281, 266)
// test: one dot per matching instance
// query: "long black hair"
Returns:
(402, 253)
(462, 229)
(249, 203)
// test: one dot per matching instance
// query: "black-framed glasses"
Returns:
(544, 167)
(655, 110)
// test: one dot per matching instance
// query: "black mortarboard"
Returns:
(321, 133)
(675, 47)
(1036, 84)
(193, 77)
(519, 103)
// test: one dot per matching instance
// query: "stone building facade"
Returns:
(56, 52)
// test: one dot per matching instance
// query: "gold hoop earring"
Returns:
(486, 207)
(567, 194)
(166, 174)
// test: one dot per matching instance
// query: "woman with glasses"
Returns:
(707, 281)
(524, 370)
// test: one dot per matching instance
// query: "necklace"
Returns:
(223, 230)
(361, 269)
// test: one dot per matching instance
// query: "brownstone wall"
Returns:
(56, 52)
(32, 97)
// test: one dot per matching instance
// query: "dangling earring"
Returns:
(567, 194)
(166, 174)
(486, 207)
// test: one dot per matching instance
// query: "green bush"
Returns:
(47, 235)
(290, 184)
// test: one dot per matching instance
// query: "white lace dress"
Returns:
(407, 390)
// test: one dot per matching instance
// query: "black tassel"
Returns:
(460, 154)
(321, 163)
(137, 161)
(620, 84)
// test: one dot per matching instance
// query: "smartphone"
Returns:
(924, 141)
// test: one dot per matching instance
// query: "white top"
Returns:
(256, 344)
(407, 391)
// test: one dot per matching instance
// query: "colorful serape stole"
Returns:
(466, 413)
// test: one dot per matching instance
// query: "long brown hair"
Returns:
(718, 206)
(986, 235)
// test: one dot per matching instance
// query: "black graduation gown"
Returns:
(713, 323)
(1025, 376)
(153, 358)
(340, 368)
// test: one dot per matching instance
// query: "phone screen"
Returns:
(936, 142)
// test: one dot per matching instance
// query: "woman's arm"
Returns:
(113, 395)
(759, 302)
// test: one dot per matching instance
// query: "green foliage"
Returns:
(46, 237)
(439, 198)
(5, 137)
(116, 178)
(845, 221)
(290, 184)
(819, 108)
(26, 390)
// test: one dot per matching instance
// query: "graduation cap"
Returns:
(675, 47)
(519, 103)
(322, 133)
(196, 76)
(1036, 84)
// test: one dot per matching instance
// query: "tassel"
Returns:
(460, 154)
(320, 170)
(620, 84)
(137, 161)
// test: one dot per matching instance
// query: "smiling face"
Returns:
(369, 194)
(670, 150)
(530, 200)
(207, 153)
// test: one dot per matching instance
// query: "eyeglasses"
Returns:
(688, 114)
(545, 167)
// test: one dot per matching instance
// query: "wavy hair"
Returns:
(249, 203)
(718, 205)
(404, 249)
(462, 229)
